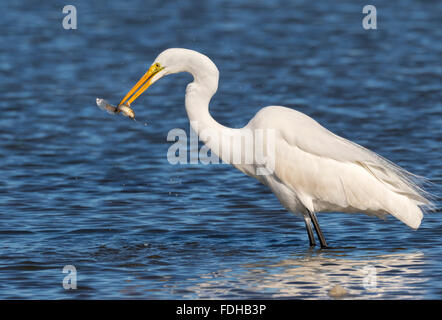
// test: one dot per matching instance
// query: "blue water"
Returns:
(80, 187)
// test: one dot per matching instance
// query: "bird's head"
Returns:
(170, 61)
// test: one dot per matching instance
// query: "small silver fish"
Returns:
(124, 109)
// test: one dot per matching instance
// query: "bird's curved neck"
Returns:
(197, 107)
(197, 102)
(198, 95)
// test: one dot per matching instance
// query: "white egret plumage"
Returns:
(314, 170)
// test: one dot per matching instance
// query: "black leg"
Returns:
(308, 225)
(318, 230)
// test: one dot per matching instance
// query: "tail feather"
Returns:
(400, 183)
(407, 212)
(412, 200)
(392, 176)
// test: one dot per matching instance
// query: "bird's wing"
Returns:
(298, 130)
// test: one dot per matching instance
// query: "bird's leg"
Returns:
(318, 229)
(308, 225)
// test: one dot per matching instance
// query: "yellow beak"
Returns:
(146, 79)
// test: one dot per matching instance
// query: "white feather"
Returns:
(328, 173)
(314, 169)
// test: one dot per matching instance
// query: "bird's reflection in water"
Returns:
(389, 276)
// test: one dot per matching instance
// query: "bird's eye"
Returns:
(157, 65)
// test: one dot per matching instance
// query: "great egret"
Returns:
(314, 170)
